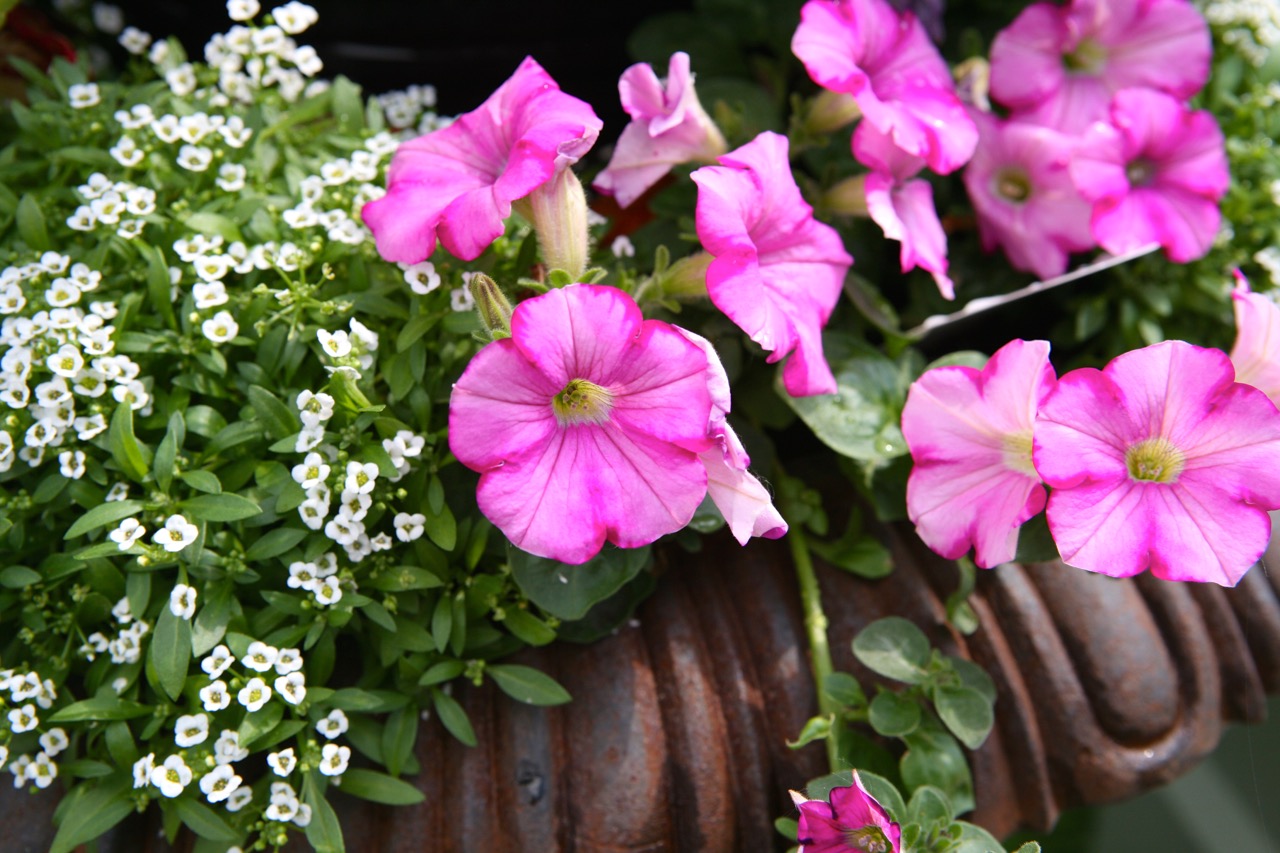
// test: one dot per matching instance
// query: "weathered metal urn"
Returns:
(676, 737)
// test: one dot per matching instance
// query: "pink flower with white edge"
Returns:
(668, 127)
(1256, 354)
(1060, 65)
(1019, 182)
(970, 432)
(902, 205)
(585, 425)
(457, 183)
(741, 498)
(850, 820)
(1154, 175)
(1161, 460)
(777, 272)
(886, 61)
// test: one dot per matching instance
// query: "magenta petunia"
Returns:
(1019, 182)
(1161, 460)
(668, 127)
(778, 272)
(585, 425)
(902, 205)
(849, 821)
(1256, 354)
(1154, 175)
(1060, 65)
(456, 184)
(970, 435)
(886, 62)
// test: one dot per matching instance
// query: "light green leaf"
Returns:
(528, 685)
(280, 420)
(167, 451)
(966, 712)
(892, 715)
(132, 457)
(568, 592)
(31, 225)
(324, 832)
(92, 813)
(204, 821)
(817, 728)
(453, 717)
(220, 507)
(274, 543)
(202, 481)
(893, 647)
(171, 652)
(105, 707)
(380, 788)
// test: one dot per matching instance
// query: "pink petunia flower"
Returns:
(1019, 182)
(970, 432)
(1256, 354)
(1153, 175)
(1060, 65)
(741, 498)
(903, 207)
(1160, 460)
(777, 272)
(885, 60)
(457, 183)
(584, 425)
(850, 821)
(668, 127)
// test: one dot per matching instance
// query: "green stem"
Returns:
(815, 623)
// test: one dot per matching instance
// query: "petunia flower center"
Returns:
(1012, 185)
(1154, 460)
(1140, 172)
(1016, 453)
(582, 402)
(1089, 57)
(868, 838)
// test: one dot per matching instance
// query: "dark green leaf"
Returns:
(167, 451)
(92, 813)
(398, 737)
(159, 286)
(929, 807)
(201, 481)
(210, 624)
(279, 419)
(221, 507)
(528, 685)
(453, 717)
(528, 627)
(368, 701)
(171, 652)
(105, 707)
(893, 715)
(132, 457)
(380, 788)
(893, 647)
(31, 226)
(966, 712)
(975, 677)
(103, 514)
(401, 578)
(441, 672)
(324, 832)
(16, 577)
(274, 543)
(568, 592)
(441, 528)
(935, 758)
(204, 821)
(845, 689)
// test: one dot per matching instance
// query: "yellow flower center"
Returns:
(1016, 453)
(582, 402)
(1154, 460)
(869, 838)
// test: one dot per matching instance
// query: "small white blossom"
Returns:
(181, 80)
(622, 247)
(292, 687)
(334, 759)
(239, 798)
(108, 18)
(231, 177)
(209, 294)
(215, 697)
(312, 471)
(242, 10)
(335, 344)
(23, 719)
(121, 611)
(409, 526)
(117, 492)
(191, 729)
(217, 661)
(134, 40)
(283, 762)
(289, 660)
(83, 95)
(260, 657)
(172, 776)
(18, 767)
(227, 749)
(71, 464)
(255, 694)
(212, 267)
(182, 601)
(194, 158)
(314, 409)
(294, 17)
(42, 771)
(421, 277)
(328, 591)
(220, 328)
(361, 477)
(460, 299)
(220, 783)
(126, 536)
(142, 770)
(54, 741)
(166, 129)
(309, 438)
(176, 534)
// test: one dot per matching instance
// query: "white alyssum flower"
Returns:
(172, 776)
(194, 158)
(231, 177)
(191, 729)
(23, 719)
(217, 661)
(177, 534)
(108, 17)
(334, 759)
(254, 695)
(409, 526)
(301, 576)
(460, 299)
(220, 328)
(283, 762)
(118, 492)
(335, 344)
(220, 783)
(42, 771)
(260, 657)
(127, 535)
(284, 803)
(312, 472)
(421, 277)
(18, 767)
(215, 697)
(54, 741)
(181, 80)
(361, 477)
(294, 17)
(227, 749)
(242, 10)
(182, 601)
(292, 687)
(328, 592)
(288, 660)
(71, 464)
(84, 95)
(314, 409)
(142, 770)
(212, 267)
(134, 40)
(209, 294)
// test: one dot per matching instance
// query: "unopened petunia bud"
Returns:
(847, 197)
(829, 111)
(558, 210)
(492, 305)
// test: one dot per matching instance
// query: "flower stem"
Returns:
(815, 623)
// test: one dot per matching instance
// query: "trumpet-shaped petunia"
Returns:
(885, 60)
(1256, 354)
(970, 433)
(1161, 460)
(668, 127)
(902, 205)
(585, 425)
(1019, 181)
(1060, 65)
(1154, 175)
(457, 183)
(849, 821)
(778, 272)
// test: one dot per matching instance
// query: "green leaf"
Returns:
(893, 647)
(92, 813)
(528, 685)
(210, 624)
(167, 451)
(845, 689)
(31, 226)
(1029, 847)
(817, 728)
(453, 717)
(398, 737)
(380, 788)
(367, 701)
(568, 592)
(975, 839)
(170, 652)
(966, 712)
(893, 715)
(132, 457)
(379, 616)
(441, 528)
(929, 807)
(274, 543)
(120, 745)
(528, 627)
(974, 677)
(103, 514)
(348, 106)
(204, 821)
(324, 832)
(280, 420)
(103, 707)
(205, 222)
(934, 758)
(159, 286)
(444, 671)
(16, 577)
(221, 507)
(401, 578)
(885, 793)
(202, 481)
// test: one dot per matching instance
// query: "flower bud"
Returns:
(847, 197)
(558, 210)
(829, 111)
(492, 305)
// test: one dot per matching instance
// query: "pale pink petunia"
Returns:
(902, 205)
(778, 272)
(585, 425)
(885, 61)
(1154, 175)
(850, 820)
(1019, 183)
(742, 499)
(970, 432)
(1256, 354)
(668, 127)
(1161, 460)
(457, 184)
(1060, 65)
